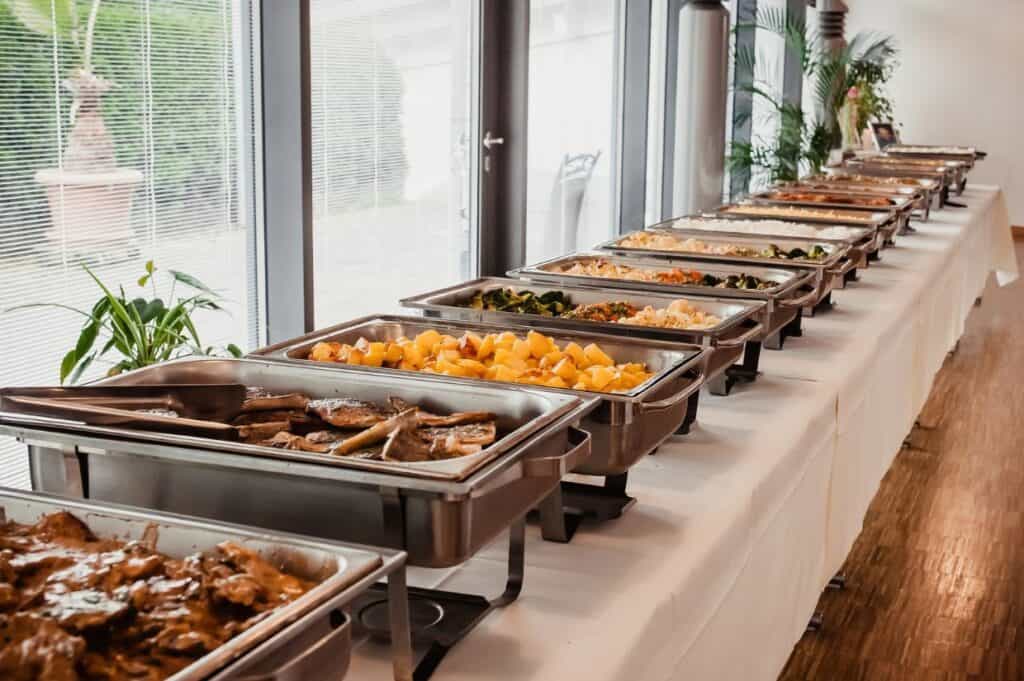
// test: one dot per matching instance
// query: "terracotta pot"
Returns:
(89, 209)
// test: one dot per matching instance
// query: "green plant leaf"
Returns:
(235, 351)
(143, 280)
(152, 310)
(87, 338)
(150, 267)
(189, 280)
(39, 16)
(67, 364)
(80, 369)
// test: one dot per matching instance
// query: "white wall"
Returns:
(960, 81)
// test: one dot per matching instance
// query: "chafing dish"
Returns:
(967, 155)
(863, 240)
(841, 261)
(438, 521)
(739, 334)
(310, 637)
(945, 177)
(919, 196)
(796, 288)
(884, 222)
(834, 199)
(623, 428)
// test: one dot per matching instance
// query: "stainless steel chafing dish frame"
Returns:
(841, 264)
(885, 228)
(437, 522)
(920, 197)
(956, 171)
(785, 303)
(297, 640)
(734, 337)
(623, 428)
(903, 207)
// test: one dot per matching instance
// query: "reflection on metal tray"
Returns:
(306, 638)
(437, 522)
(918, 197)
(741, 320)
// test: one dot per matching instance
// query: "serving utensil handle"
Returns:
(803, 300)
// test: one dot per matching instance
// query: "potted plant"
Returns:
(801, 141)
(90, 197)
(141, 330)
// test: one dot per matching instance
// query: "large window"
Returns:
(572, 124)
(393, 135)
(146, 163)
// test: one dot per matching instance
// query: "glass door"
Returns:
(394, 147)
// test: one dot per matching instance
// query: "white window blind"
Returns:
(165, 181)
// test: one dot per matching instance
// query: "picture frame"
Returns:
(884, 134)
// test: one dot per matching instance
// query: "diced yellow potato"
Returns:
(426, 340)
(601, 376)
(521, 349)
(533, 363)
(406, 365)
(395, 353)
(450, 355)
(355, 356)
(486, 348)
(539, 344)
(633, 368)
(449, 342)
(503, 355)
(324, 352)
(566, 369)
(362, 345)
(473, 366)
(556, 382)
(596, 355)
(506, 337)
(576, 352)
(414, 355)
(551, 359)
(451, 368)
(504, 373)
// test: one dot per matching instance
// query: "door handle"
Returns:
(490, 141)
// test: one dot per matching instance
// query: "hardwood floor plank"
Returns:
(935, 581)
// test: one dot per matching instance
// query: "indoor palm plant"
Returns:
(142, 330)
(801, 139)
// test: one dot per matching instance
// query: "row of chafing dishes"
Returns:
(432, 515)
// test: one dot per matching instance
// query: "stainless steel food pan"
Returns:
(624, 427)
(308, 638)
(438, 522)
(842, 255)
(885, 222)
(902, 206)
(741, 320)
(919, 197)
(796, 288)
(967, 155)
(866, 240)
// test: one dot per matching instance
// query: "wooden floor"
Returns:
(935, 583)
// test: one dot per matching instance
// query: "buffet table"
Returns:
(739, 526)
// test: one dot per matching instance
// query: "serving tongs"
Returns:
(202, 409)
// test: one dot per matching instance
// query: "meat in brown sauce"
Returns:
(74, 607)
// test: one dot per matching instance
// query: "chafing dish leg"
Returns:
(691, 414)
(977, 302)
(599, 503)
(558, 523)
(746, 372)
(822, 305)
(816, 623)
(444, 617)
(401, 636)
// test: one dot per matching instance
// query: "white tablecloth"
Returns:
(739, 525)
